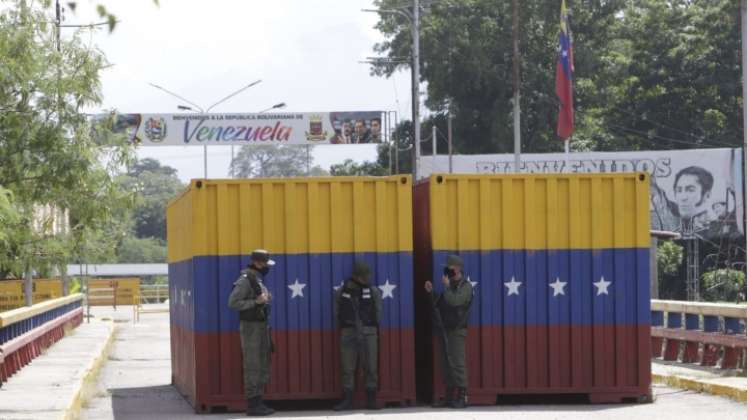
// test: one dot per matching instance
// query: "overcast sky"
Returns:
(305, 52)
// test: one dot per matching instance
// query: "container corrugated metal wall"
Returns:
(560, 268)
(314, 228)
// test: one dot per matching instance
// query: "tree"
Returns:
(351, 168)
(669, 257)
(675, 76)
(264, 161)
(141, 250)
(47, 153)
(153, 186)
(649, 74)
(724, 285)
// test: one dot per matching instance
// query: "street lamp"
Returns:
(276, 106)
(414, 18)
(201, 110)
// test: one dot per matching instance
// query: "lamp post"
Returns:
(202, 110)
(414, 18)
(276, 106)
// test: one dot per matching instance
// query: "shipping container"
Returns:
(560, 269)
(314, 228)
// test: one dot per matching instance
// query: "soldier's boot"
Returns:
(448, 399)
(460, 401)
(265, 407)
(255, 407)
(347, 401)
(371, 399)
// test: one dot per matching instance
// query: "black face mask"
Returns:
(448, 272)
(263, 271)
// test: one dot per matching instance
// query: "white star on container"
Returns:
(338, 286)
(387, 290)
(602, 286)
(296, 289)
(513, 286)
(558, 287)
(473, 283)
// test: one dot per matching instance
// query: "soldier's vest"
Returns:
(454, 317)
(363, 298)
(257, 313)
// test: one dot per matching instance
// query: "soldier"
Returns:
(451, 313)
(357, 309)
(252, 299)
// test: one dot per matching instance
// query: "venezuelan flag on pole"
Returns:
(564, 77)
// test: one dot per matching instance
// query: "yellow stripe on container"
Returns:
(291, 216)
(554, 211)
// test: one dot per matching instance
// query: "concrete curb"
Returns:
(675, 381)
(89, 377)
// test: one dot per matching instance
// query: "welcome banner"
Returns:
(696, 192)
(361, 127)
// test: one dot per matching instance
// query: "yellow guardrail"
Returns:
(19, 314)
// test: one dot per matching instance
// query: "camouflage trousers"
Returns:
(255, 347)
(365, 352)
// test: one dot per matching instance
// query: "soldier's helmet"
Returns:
(262, 256)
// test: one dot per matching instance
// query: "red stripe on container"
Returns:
(620, 352)
(207, 367)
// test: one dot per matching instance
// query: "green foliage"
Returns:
(351, 168)
(649, 74)
(669, 257)
(47, 154)
(141, 250)
(266, 161)
(153, 186)
(724, 285)
(75, 286)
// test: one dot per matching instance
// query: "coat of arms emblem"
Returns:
(316, 129)
(155, 129)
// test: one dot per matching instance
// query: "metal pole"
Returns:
(204, 158)
(396, 144)
(433, 142)
(28, 286)
(388, 128)
(654, 268)
(232, 174)
(744, 108)
(517, 80)
(416, 85)
(451, 150)
(308, 160)
(567, 144)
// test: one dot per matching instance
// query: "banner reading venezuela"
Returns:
(359, 127)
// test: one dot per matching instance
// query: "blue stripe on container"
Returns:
(199, 290)
(627, 303)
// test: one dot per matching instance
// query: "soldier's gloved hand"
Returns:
(428, 287)
(262, 299)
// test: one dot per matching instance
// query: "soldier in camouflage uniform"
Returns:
(358, 310)
(252, 299)
(452, 310)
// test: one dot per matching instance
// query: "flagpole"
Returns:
(568, 154)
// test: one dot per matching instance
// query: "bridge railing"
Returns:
(711, 334)
(25, 332)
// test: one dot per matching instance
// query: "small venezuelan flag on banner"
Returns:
(564, 77)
